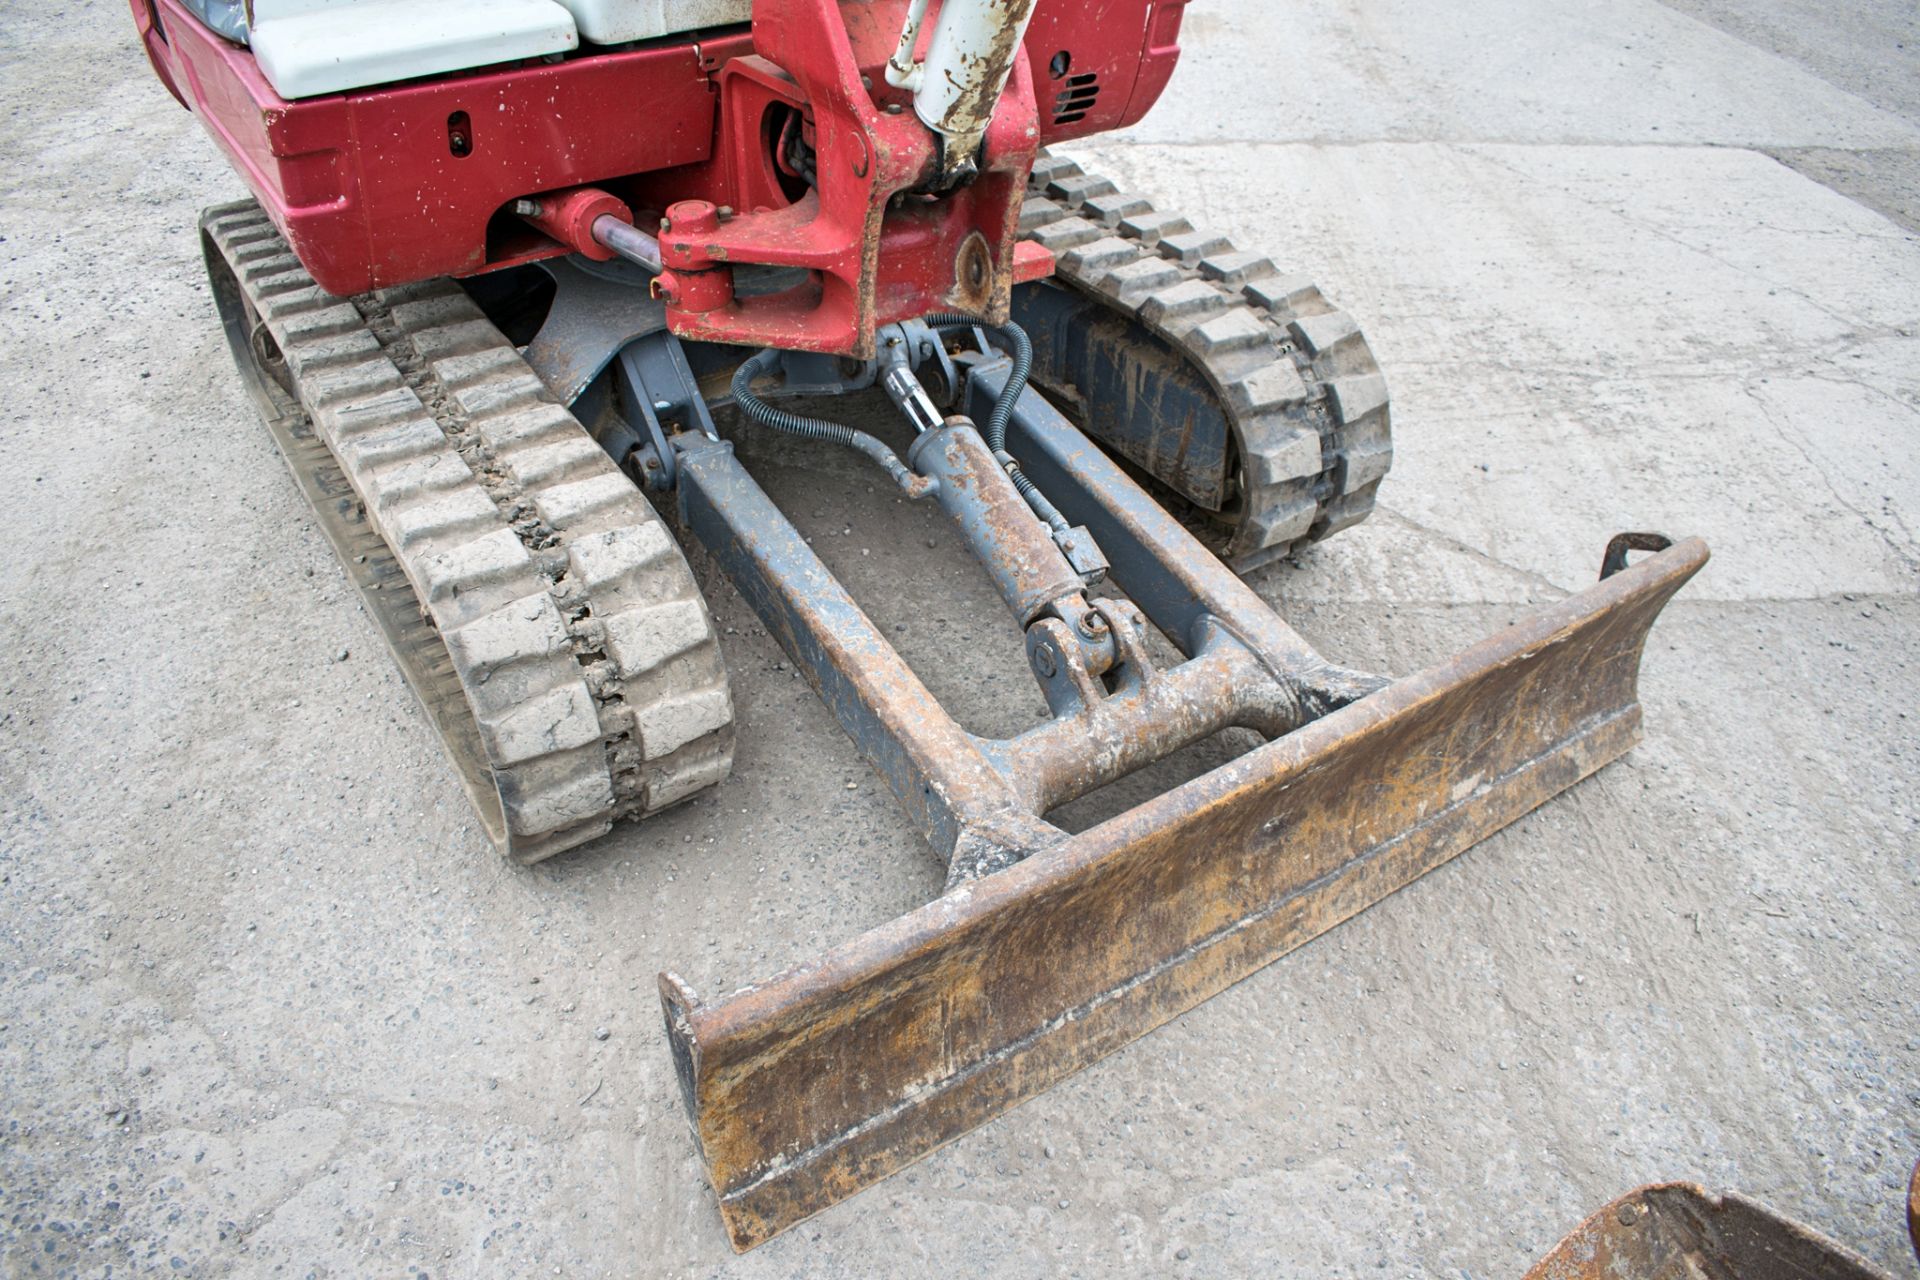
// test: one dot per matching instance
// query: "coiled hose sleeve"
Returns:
(818, 428)
(1022, 353)
(996, 428)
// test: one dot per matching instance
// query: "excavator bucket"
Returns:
(1679, 1231)
(808, 1087)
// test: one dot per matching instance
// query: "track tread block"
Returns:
(590, 665)
(1294, 375)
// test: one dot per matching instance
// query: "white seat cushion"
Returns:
(310, 47)
(617, 21)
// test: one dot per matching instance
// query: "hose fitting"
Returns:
(995, 431)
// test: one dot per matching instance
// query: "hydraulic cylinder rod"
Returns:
(1026, 567)
(627, 240)
(968, 61)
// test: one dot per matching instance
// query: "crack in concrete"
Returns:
(1659, 232)
(1483, 558)
(1791, 437)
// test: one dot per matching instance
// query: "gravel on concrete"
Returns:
(270, 1005)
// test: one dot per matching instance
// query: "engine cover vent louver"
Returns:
(1076, 99)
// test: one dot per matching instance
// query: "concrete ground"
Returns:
(269, 1005)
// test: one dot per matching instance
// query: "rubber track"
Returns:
(1295, 376)
(568, 613)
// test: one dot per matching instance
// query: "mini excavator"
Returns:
(516, 275)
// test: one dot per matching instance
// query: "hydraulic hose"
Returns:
(996, 428)
(1016, 338)
(818, 428)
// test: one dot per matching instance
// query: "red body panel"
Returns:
(368, 189)
(1127, 49)
(389, 185)
(877, 252)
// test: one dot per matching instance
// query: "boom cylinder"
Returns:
(973, 489)
(968, 61)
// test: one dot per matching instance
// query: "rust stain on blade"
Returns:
(1676, 1230)
(804, 1089)
(1913, 1208)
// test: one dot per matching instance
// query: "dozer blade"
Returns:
(842, 1070)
